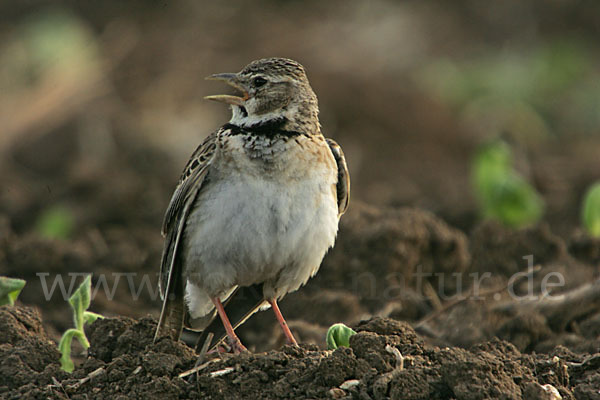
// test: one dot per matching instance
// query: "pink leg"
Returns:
(286, 329)
(234, 341)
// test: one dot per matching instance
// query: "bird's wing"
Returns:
(343, 181)
(171, 280)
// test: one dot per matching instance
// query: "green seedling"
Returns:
(10, 288)
(590, 214)
(338, 335)
(503, 194)
(55, 223)
(79, 301)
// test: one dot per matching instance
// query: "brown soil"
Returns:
(123, 362)
(414, 267)
(456, 354)
(392, 262)
(400, 263)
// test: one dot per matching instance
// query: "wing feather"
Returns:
(343, 181)
(193, 178)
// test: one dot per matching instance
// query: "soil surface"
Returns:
(476, 321)
(434, 339)
(386, 359)
(446, 306)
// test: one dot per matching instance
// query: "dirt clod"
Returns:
(136, 367)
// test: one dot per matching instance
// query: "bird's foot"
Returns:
(236, 345)
(291, 340)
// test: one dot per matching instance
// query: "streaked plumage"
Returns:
(258, 203)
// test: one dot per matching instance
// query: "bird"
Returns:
(257, 206)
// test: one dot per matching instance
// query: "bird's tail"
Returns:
(171, 318)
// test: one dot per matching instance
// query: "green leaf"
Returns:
(10, 288)
(55, 223)
(90, 317)
(591, 210)
(339, 335)
(80, 335)
(64, 346)
(503, 194)
(80, 301)
(514, 201)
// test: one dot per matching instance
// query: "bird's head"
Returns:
(271, 89)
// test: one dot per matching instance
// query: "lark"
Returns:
(257, 205)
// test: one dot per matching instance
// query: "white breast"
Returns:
(253, 225)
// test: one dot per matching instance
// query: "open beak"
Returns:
(231, 80)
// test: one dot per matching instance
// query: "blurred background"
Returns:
(101, 104)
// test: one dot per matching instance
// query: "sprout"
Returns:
(55, 223)
(502, 192)
(79, 301)
(10, 288)
(590, 214)
(338, 335)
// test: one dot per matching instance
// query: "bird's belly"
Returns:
(249, 230)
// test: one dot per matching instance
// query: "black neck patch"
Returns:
(243, 111)
(271, 128)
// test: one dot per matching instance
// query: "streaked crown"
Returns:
(275, 67)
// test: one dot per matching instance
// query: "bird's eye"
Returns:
(259, 81)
